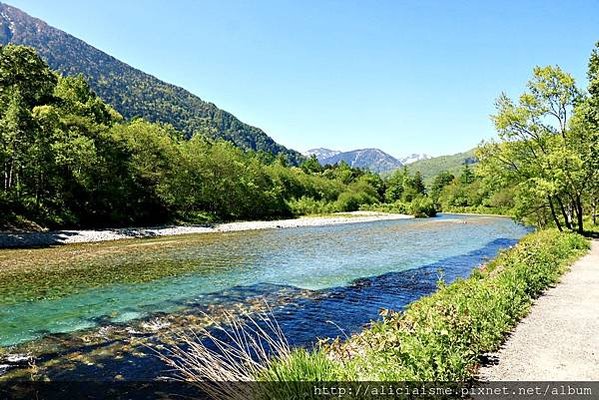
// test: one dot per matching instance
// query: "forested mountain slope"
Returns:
(130, 91)
(432, 167)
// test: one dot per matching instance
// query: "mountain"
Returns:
(431, 167)
(321, 153)
(130, 91)
(374, 160)
(414, 157)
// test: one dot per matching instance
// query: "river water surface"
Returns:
(320, 281)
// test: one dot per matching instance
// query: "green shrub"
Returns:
(302, 365)
(419, 207)
(351, 201)
(308, 205)
(422, 207)
(397, 207)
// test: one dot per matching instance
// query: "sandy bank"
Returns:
(37, 239)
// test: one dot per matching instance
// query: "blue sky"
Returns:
(418, 76)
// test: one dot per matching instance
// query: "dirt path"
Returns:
(559, 339)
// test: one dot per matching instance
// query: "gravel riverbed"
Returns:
(40, 239)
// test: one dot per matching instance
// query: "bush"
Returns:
(351, 201)
(307, 205)
(422, 207)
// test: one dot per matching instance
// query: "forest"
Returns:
(70, 160)
(130, 91)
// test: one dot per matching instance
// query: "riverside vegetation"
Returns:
(544, 169)
(68, 159)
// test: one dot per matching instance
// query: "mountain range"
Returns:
(130, 91)
(375, 160)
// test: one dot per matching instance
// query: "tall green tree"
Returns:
(586, 134)
(538, 152)
(441, 181)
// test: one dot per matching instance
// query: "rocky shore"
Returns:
(41, 239)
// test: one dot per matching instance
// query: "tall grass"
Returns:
(226, 351)
(438, 338)
(441, 337)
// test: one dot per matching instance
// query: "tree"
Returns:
(311, 165)
(440, 181)
(537, 151)
(586, 134)
(22, 69)
(413, 187)
(467, 176)
(25, 82)
(395, 185)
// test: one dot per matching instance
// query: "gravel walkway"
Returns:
(559, 339)
(41, 239)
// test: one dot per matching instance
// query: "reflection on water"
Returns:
(320, 280)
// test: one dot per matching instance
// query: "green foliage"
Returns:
(301, 365)
(130, 91)
(413, 187)
(442, 336)
(422, 207)
(403, 194)
(403, 186)
(439, 182)
(395, 186)
(543, 154)
(394, 208)
(544, 170)
(69, 159)
(308, 205)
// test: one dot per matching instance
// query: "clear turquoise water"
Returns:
(314, 258)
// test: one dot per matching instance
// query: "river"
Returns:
(90, 311)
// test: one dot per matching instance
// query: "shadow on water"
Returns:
(332, 312)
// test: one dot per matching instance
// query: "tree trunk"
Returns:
(555, 219)
(579, 214)
(564, 213)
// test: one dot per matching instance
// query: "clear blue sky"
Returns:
(418, 76)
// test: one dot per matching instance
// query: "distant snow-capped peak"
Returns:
(414, 157)
(321, 153)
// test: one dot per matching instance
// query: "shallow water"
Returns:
(324, 281)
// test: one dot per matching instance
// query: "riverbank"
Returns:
(441, 337)
(61, 237)
(558, 340)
